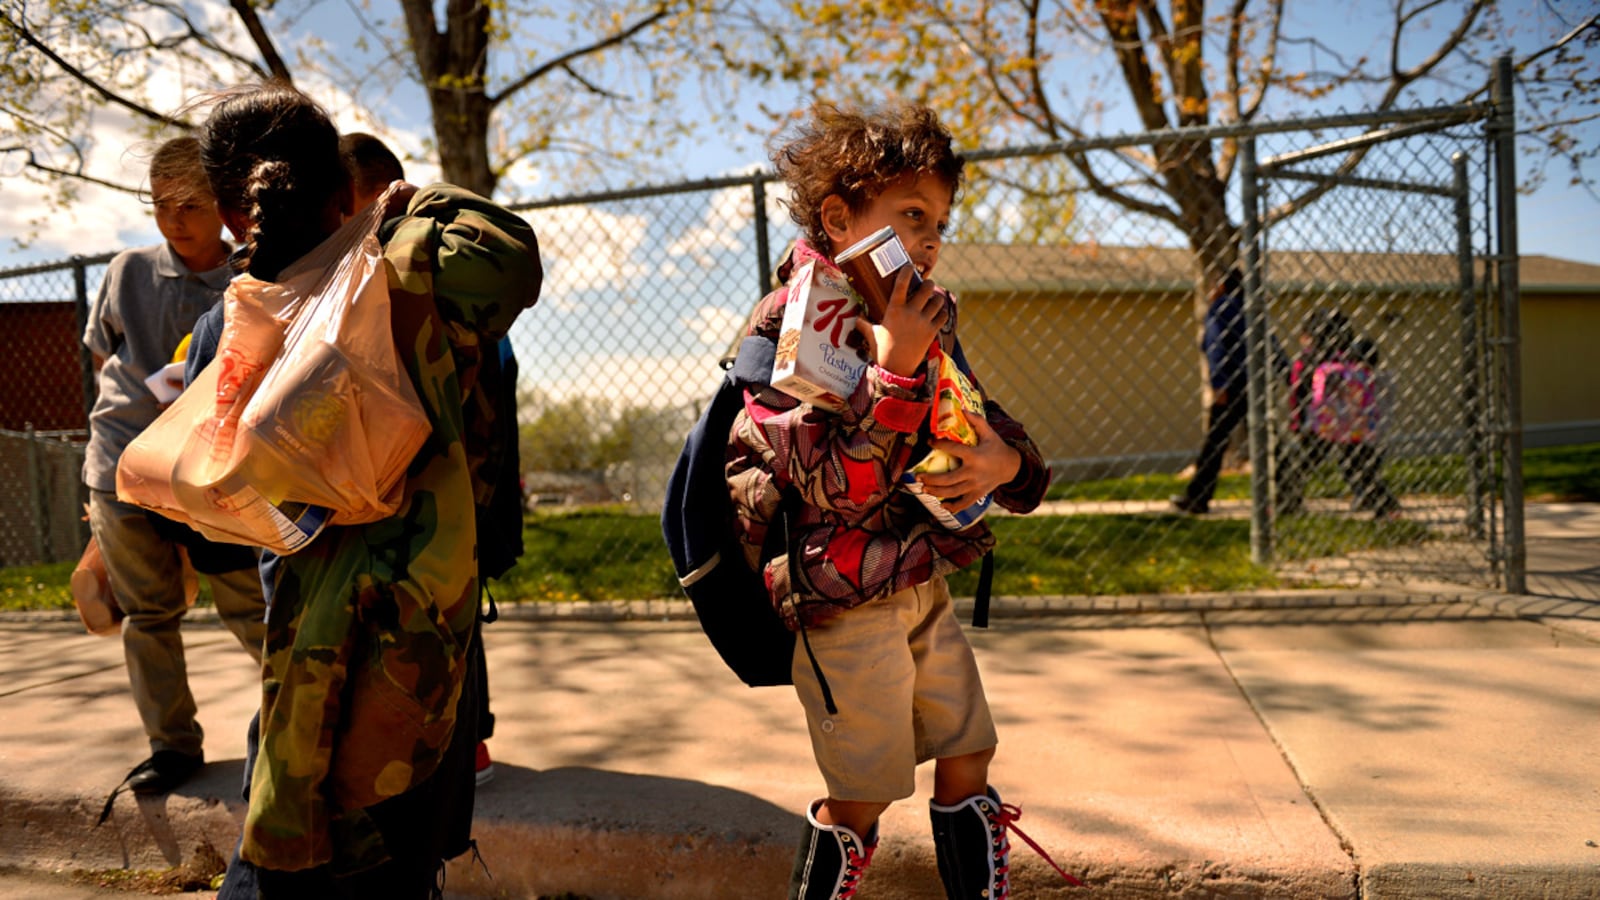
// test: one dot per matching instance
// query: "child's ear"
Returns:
(238, 223)
(347, 199)
(835, 218)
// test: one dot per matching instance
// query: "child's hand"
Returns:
(175, 383)
(910, 324)
(990, 464)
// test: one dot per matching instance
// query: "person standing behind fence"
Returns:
(148, 301)
(871, 594)
(1332, 412)
(361, 776)
(1223, 343)
(1371, 488)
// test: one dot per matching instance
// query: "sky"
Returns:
(1556, 220)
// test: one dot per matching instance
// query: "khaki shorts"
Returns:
(907, 688)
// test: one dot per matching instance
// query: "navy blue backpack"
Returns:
(697, 520)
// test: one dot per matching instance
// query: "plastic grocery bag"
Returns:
(303, 419)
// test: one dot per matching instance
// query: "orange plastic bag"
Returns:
(91, 593)
(97, 604)
(304, 418)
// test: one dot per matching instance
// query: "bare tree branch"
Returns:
(1404, 77)
(75, 74)
(565, 59)
(246, 12)
(32, 162)
(1591, 22)
(1267, 69)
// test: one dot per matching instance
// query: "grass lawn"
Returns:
(601, 553)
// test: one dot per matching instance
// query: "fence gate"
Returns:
(1381, 463)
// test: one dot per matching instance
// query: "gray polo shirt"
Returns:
(147, 302)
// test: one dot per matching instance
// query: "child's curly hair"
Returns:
(854, 152)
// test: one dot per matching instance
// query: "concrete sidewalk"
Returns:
(1375, 748)
(1437, 743)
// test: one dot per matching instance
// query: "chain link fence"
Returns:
(46, 389)
(1083, 278)
(1082, 270)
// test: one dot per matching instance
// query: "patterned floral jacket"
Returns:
(858, 534)
(368, 626)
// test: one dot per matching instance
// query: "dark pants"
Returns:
(1360, 464)
(421, 828)
(1221, 420)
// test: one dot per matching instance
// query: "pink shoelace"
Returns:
(1007, 820)
(856, 864)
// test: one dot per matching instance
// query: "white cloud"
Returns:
(585, 249)
(714, 325)
(724, 209)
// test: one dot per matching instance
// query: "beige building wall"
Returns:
(1113, 376)
(1560, 367)
(1113, 382)
(1097, 351)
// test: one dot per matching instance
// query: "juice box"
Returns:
(871, 265)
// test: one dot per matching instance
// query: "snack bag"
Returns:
(956, 398)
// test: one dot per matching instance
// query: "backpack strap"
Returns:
(980, 597)
(787, 507)
(751, 367)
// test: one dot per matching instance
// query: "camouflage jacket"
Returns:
(859, 535)
(367, 627)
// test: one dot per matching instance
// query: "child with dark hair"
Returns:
(1328, 354)
(148, 301)
(373, 166)
(1372, 492)
(360, 766)
(868, 559)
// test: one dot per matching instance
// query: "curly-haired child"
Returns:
(868, 559)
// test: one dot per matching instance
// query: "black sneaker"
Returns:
(163, 771)
(1185, 504)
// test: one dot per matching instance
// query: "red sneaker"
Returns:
(485, 766)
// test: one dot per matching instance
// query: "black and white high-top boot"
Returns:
(830, 860)
(969, 841)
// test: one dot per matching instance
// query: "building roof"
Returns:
(1091, 268)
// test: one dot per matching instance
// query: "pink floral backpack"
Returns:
(1344, 402)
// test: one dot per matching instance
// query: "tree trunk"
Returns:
(453, 65)
(461, 126)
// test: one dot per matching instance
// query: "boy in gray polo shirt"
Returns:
(147, 303)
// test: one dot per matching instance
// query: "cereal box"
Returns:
(818, 361)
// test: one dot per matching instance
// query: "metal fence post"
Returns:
(1471, 430)
(1502, 130)
(80, 295)
(1258, 361)
(36, 517)
(758, 193)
